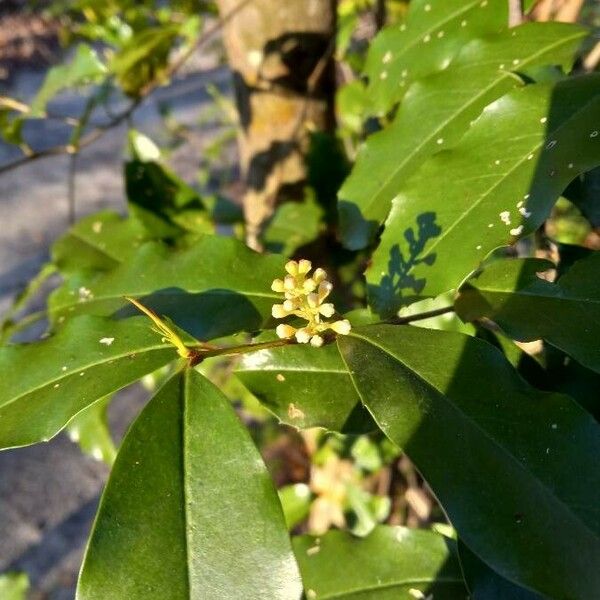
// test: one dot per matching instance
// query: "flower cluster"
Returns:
(305, 298)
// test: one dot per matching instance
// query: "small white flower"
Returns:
(303, 336)
(107, 341)
(342, 327)
(285, 331)
(316, 341)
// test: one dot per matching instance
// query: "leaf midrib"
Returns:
(507, 75)
(539, 483)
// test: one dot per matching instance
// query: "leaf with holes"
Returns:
(496, 186)
(434, 32)
(45, 384)
(214, 288)
(513, 457)
(566, 314)
(189, 510)
(392, 562)
(436, 113)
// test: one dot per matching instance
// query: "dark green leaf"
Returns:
(497, 185)
(434, 32)
(212, 289)
(163, 202)
(305, 387)
(45, 384)
(437, 112)
(566, 314)
(504, 459)
(189, 510)
(391, 563)
(485, 584)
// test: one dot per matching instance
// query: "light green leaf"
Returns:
(434, 32)
(90, 430)
(503, 458)
(391, 563)
(144, 58)
(99, 242)
(43, 385)
(497, 185)
(305, 387)
(566, 314)
(189, 510)
(14, 586)
(295, 500)
(436, 113)
(85, 68)
(214, 288)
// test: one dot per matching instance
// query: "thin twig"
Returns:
(99, 131)
(421, 316)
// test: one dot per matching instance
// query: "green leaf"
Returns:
(566, 314)
(485, 584)
(436, 113)
(214, 288)
(496, 186)
(163, 202)
(446, 322)
(391, 563)
(305, 387)
(503, 458)
(99, 242)
(293, 225)
(295, 500)
(43, 385)
(84, 69)
(90, 430)
(434, 32)
(584, 193)
(189, 510)
(14, 586)
(144, 58)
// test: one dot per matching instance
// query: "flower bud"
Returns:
(313, 300)
(289, 305)
(285, 331)
(309, 285)
(319, 275)
(304, 266)
(324, 290)
(277, 286)
(341, 327)
(327, 310)
(278, 311)
(316, 341)
(292, 267)
(302, 336)
(289, 282)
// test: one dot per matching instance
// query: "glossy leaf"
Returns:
(189, 510)
(214, 288)
(434, 32)
(164, 203)
(527, 308)
(391, 563)
(85, 68)
(43, 385)
(485, 584)
(90, 430)
(305, 387)
(503, 458)
(436, 113)
(99, 242)
(496, 186)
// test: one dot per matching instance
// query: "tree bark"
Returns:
(281, 55)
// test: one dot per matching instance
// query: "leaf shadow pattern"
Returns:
(399, 285)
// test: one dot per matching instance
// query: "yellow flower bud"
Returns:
(277, 286)
(341, 327)
(289, 282)
(309, 285)
(319, 275)
(304, 266)
(285, 331)
(313, 300)
(279, 312)
(289, 305)
(303, 336)
(292, 267)
(316, 341)
(327, 310)
(324, 290)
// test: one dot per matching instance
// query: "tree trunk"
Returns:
(281, 55)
